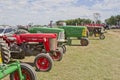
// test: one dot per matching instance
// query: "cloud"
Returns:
(107, 8)
(107, 4)
(42, 11)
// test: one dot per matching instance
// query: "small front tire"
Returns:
(102, 36)
(64, 49)
(58, 55)
(43, 62)
(84, 42)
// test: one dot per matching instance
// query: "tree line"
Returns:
(77, 21)
(113, 20)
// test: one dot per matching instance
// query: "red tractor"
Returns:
(42, 46)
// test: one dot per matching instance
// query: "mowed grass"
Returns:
(100, 60)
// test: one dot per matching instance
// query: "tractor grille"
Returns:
(61, 37)
(84, 32)
(53, 44)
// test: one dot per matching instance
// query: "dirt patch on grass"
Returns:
(117, 31)
(114, 32)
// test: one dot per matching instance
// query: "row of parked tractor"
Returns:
(46, 44)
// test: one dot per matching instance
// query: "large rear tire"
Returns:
(27, 72)
(5, 52)
(43, 62)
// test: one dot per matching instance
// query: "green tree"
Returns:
(113, 20)
(78, 21)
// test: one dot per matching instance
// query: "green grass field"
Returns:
(98, 61)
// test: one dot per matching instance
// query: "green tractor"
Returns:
(78, 32)
(16, 70)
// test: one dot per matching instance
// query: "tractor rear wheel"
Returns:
(43, 62)
(5, 52)
(84, 42)
(27, 72)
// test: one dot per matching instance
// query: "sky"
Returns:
(14, 12)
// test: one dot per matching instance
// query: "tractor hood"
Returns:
(39, 35)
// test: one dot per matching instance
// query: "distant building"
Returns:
(62, 23)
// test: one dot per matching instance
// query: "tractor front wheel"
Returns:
(64, 48)
(27, 72)
(58, 55)
(102, 36)
(43, 62)
(84, 42)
